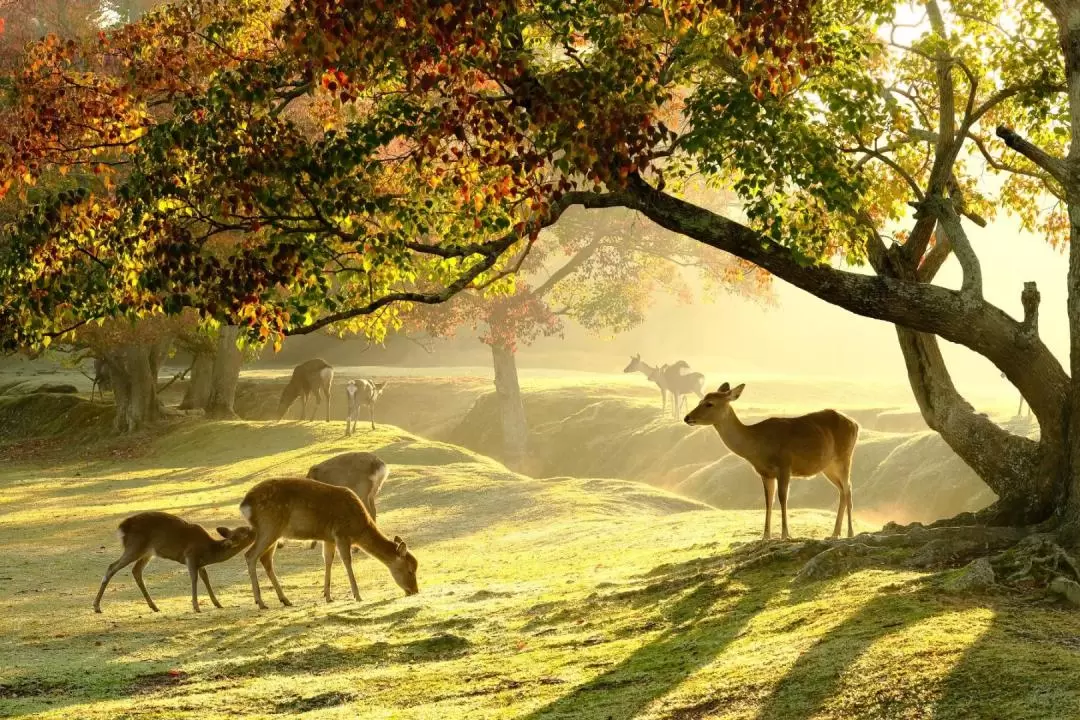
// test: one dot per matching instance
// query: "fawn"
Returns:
(305, 509)
(167, 536)
(782, 448)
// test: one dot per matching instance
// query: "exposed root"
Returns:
(1013, 557)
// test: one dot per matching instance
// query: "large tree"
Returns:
(464, 128)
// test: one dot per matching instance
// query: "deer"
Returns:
(305, 509)
(160, 534)
(308, 378)
(365, 392)
(655, 375)
(670, 379)
(680, 384)
(780, 448)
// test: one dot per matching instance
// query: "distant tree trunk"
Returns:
(133, 369)
(197, 393)
(515, 428)
(226, 374)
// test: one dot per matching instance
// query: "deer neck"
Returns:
(220, 551)
(737, 436)
(378, 545)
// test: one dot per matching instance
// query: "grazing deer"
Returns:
(308, 378)
(782, 448)
(364, 392)
(308, 510)
(100, 380)
(167, 536)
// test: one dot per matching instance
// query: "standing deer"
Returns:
(680, 384)
(167, 536)
(308, 378)
(308, 510)
(670, 379)
(655, 375)
(782, 448)
(364, 392)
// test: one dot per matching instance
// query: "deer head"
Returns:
(403, 568)
(237, 539)
(379, 387)
(635, 363)
(714, 406)
(288, 395)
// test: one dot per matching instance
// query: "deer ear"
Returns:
(723, 388)
(401, 548)
(224, 532)
(381, 385)
(737, 391)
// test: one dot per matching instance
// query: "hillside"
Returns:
(540, 598)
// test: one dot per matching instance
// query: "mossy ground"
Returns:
(555, 598)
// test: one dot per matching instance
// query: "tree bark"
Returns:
(515, 428)
(1024, 473)
(225, 375)
(197, 393)
(133, 369)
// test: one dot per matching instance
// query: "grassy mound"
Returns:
(540, 598)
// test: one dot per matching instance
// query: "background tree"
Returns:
(601, 271)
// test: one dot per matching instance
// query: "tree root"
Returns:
(1005, 557)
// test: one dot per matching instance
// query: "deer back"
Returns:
(361, 472)
(812, 442)
(306, 510)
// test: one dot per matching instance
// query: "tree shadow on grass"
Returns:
(815, 678)
(707, 613)
(1026, 665)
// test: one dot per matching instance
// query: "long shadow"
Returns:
(701, 629)
(1026, 664)
(815, 676)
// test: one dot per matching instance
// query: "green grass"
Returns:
(555, 598)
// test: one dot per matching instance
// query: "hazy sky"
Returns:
(802, 335)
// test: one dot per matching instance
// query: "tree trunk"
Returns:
(1024, 473)
(226, 374)
(515, 428)
(197, 393)
(133, 370)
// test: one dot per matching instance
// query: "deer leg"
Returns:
(663, 401)
(136, 572)
(129, 556)
(372, 409)
(209, 590)
(252, 556)
(267, 560)
(769, 483)
(838, 476)
(193, 571)
(343, 546)
(783, 480)
(328, 563)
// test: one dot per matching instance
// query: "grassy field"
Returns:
(553, 598)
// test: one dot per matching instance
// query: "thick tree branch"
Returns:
(579, 259)
(954, 316)
(949, 223)
(1053, 165)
